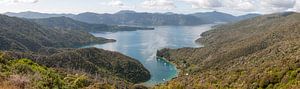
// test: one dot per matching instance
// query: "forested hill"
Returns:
(89, 60)
(261, 52)
(70, 24)
(32, 56)
(22, 35)
(70, 68)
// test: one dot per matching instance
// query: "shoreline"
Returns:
(178, 71)
(173, 77)
(197, 42)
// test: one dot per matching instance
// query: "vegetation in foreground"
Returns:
(258, 53)
(70, 69)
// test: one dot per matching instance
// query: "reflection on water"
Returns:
(142, 45)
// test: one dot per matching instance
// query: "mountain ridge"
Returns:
(67, 23)
(127, 17)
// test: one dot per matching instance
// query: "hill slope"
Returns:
(262, 52)
(70, 68)
(66, 23)
(90, 60)
(22, 35)
(51, 62)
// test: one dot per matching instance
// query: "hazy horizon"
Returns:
(135, 11)
(234, 7)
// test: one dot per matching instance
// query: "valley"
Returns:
(143, 45)
(146, 50)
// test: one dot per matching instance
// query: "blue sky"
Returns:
(235, 7)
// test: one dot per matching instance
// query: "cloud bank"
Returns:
(25, 1)
(158, 4)
(19, 1)
(266, 6)
(231, 6)
(116, 3)
(262, 6)
(204, 3)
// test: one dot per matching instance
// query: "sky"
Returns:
(235, 7)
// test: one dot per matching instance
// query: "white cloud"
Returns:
(116, 3)
(271, 6)
(240, 5)
(158, 4)
(264, 6)
(25, 1)
(19, 1)
(297, 6)
(204, 3)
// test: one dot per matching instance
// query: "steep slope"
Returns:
(70, 24)
(25, 73)
(51, 62)
(90, 60)
(22, 35)
(262, 52)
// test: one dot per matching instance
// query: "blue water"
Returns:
(143, 44)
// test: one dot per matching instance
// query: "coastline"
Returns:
(178, 71)
(175, 65)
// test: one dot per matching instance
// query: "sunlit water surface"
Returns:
(143, 45)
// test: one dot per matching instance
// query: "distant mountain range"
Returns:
(22, 35)
(128, 17)
(36, 15)
(66, 23)
(222, 17)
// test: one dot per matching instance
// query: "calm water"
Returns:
(142, 45)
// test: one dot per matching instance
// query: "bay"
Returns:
(143, 45)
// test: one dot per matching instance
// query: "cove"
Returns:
(143, 45)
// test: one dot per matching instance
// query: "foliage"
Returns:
(24, 73)
(262, 52)
(92, 61)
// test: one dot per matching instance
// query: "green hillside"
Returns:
(24, 73)
(22, 35)
(34, 57)
(262, 52)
